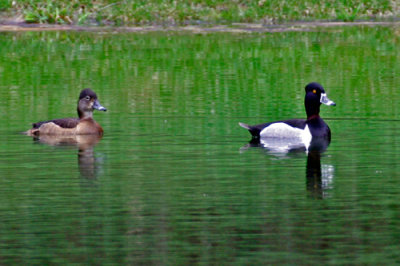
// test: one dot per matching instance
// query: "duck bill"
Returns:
(325, 100)
(98, 106)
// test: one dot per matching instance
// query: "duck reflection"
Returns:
(318, 178)
(87, 162)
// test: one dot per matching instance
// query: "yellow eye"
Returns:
(314, 91)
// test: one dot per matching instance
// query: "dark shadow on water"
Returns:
(318, 178)
(89, 166)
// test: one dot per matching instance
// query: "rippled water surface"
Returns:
(174, 179)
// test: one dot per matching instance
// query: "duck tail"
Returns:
(31, 132)
(243, 125)
(254, 130)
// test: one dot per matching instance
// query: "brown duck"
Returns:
(84, 125)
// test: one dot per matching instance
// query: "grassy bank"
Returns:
(180, 12)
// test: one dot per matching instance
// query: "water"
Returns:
(173, 180)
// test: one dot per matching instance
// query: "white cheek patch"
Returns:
(281, 136)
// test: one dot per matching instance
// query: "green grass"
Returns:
(180, 12)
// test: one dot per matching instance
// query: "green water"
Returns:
(173, 180)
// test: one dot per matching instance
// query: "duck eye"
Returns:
(314, 91)
(87, 97)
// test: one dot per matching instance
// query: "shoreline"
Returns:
(13, 26)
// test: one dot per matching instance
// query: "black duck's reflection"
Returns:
(87, 162)
(318, 178)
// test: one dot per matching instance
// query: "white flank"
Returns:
(281, 137)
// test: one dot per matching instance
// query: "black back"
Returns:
(317, 126)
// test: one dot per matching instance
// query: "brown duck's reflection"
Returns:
(87, 162)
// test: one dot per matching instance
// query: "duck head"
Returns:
(315, 95)
(87, 103)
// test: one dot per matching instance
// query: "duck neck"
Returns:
(84, 115)
(312, 117)
(312, 110)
